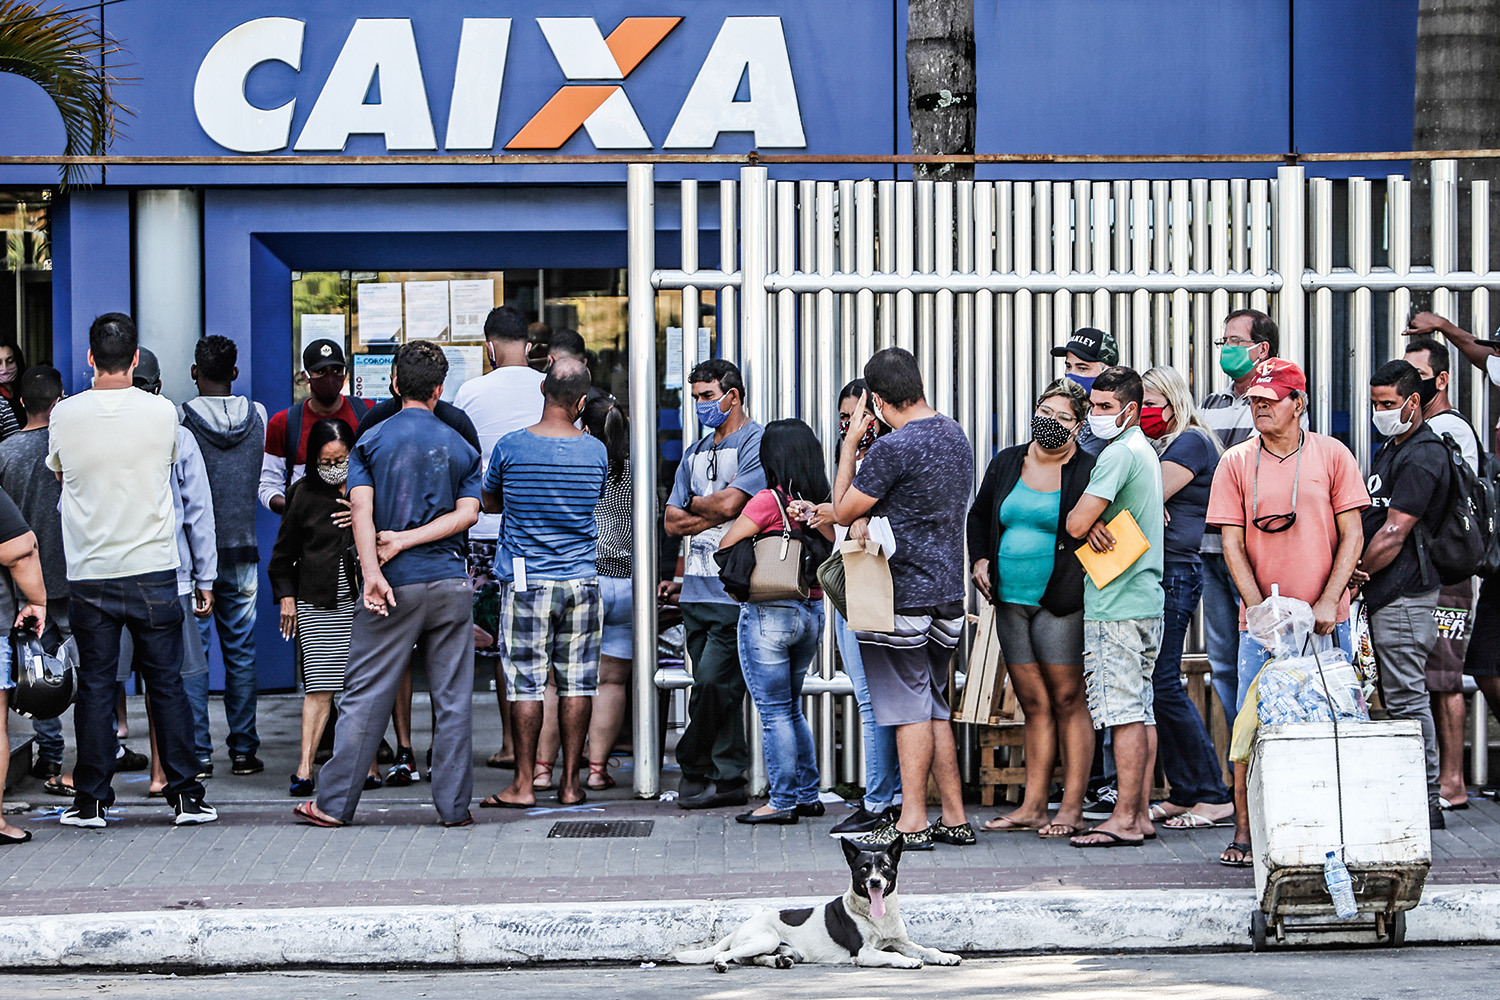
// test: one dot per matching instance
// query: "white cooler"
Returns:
(1294, 790)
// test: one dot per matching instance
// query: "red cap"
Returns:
(1275, 378)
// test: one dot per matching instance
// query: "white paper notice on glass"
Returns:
(380, 312)
(470, 301)
(673, 378)
(464, 363)
(427, 311)
(317, 326)
(372, 376)
(704, 349)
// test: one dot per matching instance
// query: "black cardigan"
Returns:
(1064, 593)
(311, 552)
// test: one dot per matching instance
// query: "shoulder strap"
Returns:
(293, 438)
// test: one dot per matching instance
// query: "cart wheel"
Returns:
(1257, 930)
(1396, 930)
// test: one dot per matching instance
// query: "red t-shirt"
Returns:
(765, 509)
(276, 429)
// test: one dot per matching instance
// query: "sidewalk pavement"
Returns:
(397, 868)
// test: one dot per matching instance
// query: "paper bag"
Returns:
(867, 587)
(983, 691)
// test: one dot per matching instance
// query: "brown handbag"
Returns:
(778, 565)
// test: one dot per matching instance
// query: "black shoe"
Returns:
(128, 760)
(1435, 818)
(191, 809)
(372, 782)
(245, 763)
(46, 769)
(813, 809)
(858, 823)
(715, 795)
(961, 835)
(385, 755)
(689, 787)
(301, 788)
(781, 817)
(205, 770)
(1100, 804)
(404, 772)
(83, 812)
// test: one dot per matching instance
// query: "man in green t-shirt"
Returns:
(1122, 620)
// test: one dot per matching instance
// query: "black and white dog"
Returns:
(862, 926)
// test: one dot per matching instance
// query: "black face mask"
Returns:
(1428, 390)
(1048, 432)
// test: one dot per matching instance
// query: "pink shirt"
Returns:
(1299, 559)
(765, 509)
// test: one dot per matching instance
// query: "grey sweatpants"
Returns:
(1403, 634)
(436, 617)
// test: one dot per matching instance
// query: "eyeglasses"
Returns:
(1273, 524)
(1226, 342)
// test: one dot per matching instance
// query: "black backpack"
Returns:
(1466, 542)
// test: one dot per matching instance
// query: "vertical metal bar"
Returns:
(641, 261)
(1062, 263)
(821, 376)
(1179, 243)
(1201, 351)
(691, 302)
(786, 303)
(1444, 233)
(885, 240)
(1023, 335)
(1398, 226)
(1101, 313)
(848, 230)
(1121, 302)
(1361, 320)
(1008, 362)
(1160, 233)
(1083, 246)
(967, 376)
(1479, 761)
(809, 349)
(1239, 243)
(923, 344)
(1140, 264)
(980, 349)
(1041, 313)
(904, 332)
(1224, 210)
(755, 347)
(727, 299)
(1258, 236)
(1319, 253)
(1479, 299)
(1291, 233)
(939, 332)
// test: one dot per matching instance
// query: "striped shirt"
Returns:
(548, 489)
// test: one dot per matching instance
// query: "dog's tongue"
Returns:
(877, 903)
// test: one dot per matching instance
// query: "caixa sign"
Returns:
(747, 53)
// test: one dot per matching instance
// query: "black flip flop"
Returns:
(56, 786)
(1244, 862)
(1115, 840)
(495, 802)
(582, 798)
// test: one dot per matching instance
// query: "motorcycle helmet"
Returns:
(45, 684)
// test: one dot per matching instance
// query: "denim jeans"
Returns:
(147, 606)
(49, 737)
(882, 771)
(1221, 634)
(778, 640)
(1253, 656)
(234, 613)
(1186, 752)
(195, 680)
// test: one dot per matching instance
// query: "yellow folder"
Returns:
(1130, 545)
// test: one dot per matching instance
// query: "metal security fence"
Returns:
(980, 279)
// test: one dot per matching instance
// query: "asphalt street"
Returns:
(1464, 974)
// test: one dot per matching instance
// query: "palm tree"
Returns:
(65, 55)
(940, 82)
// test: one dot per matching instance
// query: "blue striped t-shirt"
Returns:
(548, 488)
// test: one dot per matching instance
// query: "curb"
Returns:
(506, 934)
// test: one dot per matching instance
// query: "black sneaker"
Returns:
(205, 770)
(858, 823)
(404, 771)
(1435, 818)
(127, 759)
(961, 835)
(888, 834)
(191, 809)
(83, 812)
(1100, 804)
(245, 763)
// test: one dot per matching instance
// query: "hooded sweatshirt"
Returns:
(231, 432)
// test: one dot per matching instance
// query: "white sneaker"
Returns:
(191, 809)
(88, 814)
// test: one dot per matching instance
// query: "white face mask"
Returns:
(1389, 422)
(1105, 427)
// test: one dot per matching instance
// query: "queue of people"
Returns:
(496, 530)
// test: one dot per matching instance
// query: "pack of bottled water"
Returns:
(1321, 688)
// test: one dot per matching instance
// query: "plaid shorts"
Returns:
(486, 592)
(554, 627)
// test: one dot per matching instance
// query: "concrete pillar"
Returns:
(169, 282)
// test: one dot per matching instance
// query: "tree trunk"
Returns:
(1457, 107)
(940, 82)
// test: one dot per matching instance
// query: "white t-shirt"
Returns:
(115, 449)
(505, 400)
(1492, 368)
(1449, 422)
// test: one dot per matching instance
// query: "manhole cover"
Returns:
(592, 829)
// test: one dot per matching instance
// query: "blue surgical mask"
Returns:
(1087, 381)
(709, 414)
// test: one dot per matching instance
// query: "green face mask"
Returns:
(1234, 361)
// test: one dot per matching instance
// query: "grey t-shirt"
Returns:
(24, 476)
(708, 467)
(921, 477)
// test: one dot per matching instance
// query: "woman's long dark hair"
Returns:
(793, 461)
(325, 432)
(603, 418)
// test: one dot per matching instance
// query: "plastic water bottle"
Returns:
(1340, 886)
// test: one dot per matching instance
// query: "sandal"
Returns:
(1193, 821)
(56, 786)
(1004, 824)
(304, 812)
(1244, 852)
(496, 802)
(1159, 812)
(541, 778)
(497, 761)
(600, 772)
